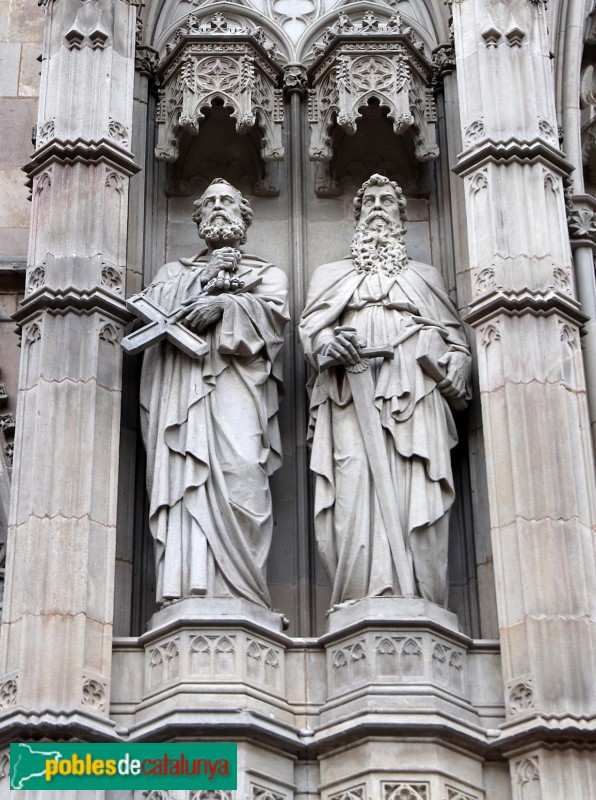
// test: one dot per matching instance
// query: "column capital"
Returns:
(581, 220)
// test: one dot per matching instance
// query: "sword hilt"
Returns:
(379, 351)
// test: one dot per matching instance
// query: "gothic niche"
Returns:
(370, 80)
(220, 111)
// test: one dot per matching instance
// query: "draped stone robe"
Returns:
(211, 433)
(417, 423)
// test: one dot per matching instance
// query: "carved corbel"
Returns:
(211, 60)
(371, 60)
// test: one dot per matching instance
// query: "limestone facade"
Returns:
(115, 116)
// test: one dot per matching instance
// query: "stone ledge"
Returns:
(400, 611)
(82, 151)
(214, 611)
(73, 299)
(540, 729)
(511, 151)
(18, 724)
(514, 303)
(11, 264)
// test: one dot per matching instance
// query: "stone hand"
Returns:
(455, 383)
(223, 259)
(345, 345)
(199, 313)
(223, 282)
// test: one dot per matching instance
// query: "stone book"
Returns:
(431, 348)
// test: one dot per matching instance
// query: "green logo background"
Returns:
(29, 767)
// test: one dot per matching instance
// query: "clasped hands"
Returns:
(201, 311)
(347, 343)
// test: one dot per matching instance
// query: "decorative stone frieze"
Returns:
(210, 60)
(358, 61)
(406, 791)
(214, 655)
(383, 657)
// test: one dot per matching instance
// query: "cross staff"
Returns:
(161, 326)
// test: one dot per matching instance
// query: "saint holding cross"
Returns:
(209, 418)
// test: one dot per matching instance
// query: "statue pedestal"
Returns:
(393, 691)
(394, 611)
(225, 610)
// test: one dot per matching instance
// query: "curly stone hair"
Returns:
(380, 180)
(245, 210)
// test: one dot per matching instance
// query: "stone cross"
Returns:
(161, 325)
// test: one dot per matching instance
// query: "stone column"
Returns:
(56, 644)
(582, 232)
(535, 416)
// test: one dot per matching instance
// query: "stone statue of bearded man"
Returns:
(210, 423)
(380, 297)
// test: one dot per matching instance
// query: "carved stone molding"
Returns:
(406, 791)
(581, 220)
(8, 692)
(111, 277)
(512, 151)
(526, 771)
(520, 696)
(89, 29)
(212, 60)
(511, 303)
(94, 694)
(108, 332)
(36, 278)
(371, 60)
(352, 793)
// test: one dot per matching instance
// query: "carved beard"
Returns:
(378, 245)
(220, 227)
